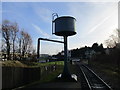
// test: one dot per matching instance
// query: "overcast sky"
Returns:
(95, 21)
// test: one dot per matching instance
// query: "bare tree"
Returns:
(19, 44)
(114, 39)
(3, 46)
(6, 36)
(14, 30)
(13, 40)
(25, 43)
(109, 43)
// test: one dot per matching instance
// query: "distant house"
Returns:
(68, 53)
(89, 53)
(43, 58)
(42, 61)
(108, 50)
(44, 55)
(3, 56)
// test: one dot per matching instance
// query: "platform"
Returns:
(67, 85)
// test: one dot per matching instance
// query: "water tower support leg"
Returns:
(66, 74)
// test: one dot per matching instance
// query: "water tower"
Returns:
(64, 26)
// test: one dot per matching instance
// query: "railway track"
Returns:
(91, 81)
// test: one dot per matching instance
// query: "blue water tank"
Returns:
(64, 26)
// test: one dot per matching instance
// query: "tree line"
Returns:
(112, 43)
(113, 39)
(16, 43)
(81, 52)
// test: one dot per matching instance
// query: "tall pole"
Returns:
(38, 48)
(66, 73)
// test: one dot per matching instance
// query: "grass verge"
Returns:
(11, 63)
(108, 73)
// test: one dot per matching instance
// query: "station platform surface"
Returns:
(66, 85)
(59, 84)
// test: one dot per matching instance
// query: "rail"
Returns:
(91, 80)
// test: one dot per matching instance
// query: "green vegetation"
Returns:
(106, 68)
(110, 73)
(29, 64)
(50, 63)
(104, 65)
(47, 78)
(11, 63)
(51, 76)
